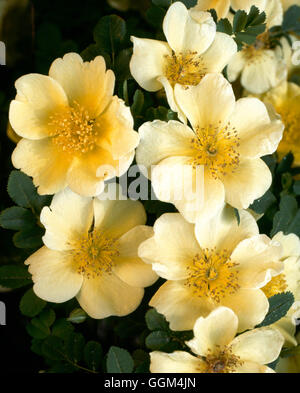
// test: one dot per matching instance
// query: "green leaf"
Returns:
(157, 340)
(285, 164)
(291, 20)
(77, 316)
(17, 218)
(224, 26)
(162, 3)
(52, 348)
(156, 321)
(285, 219)
(255, 17)
(74, 345)
(119, 361)
(37, 329)
(261, 205)
(188, 3)
(29, 237)
(13, 276)
(62, 328)
(239, 21)
(279, 305)
(47, 317)
(22, 191)
(155, 16)
(237, 215)
(109, 33)
(30, 304)
(93, 355)
(138, 103)
(121, 68)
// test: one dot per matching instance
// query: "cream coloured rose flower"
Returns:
(217, 350)
(288, 280)
(226, 141)
(75, 132)
(213, 263)
(91, 252)
(192, 50)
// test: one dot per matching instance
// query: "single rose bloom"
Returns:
(74, 132)
(192, 50)
(216, 348)
(215, 262)
(90, 253)
(217, 159)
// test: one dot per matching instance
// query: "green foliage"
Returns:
(109, 33)
(287, 219)
(279, 305)
(30, 304)
(119, 361)
(291, 20)
(93, 354)
(13, 276)
(77, 316)
(261, 205)
(245, 27)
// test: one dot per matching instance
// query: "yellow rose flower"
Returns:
(217, 350)
(227, 140)
(192, 50)
(213, 263)
(285, 99)
(75, 132)
(91, 252)
(291, 363)
(288, 280)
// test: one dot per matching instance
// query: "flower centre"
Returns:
(290, 113)
(222, 361)
(73, 130)
(276, 285)
(216, 147)
(212, 274)
(94, 254)
(184, 68)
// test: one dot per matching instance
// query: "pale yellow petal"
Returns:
(249, 181)
(41, 160)
(107, 295)
(176, 362)
(55, 279)
(148, 62)
(68, 218)
(172, 248)
(218, 96)
(179, 305)
(187, 32)
(250, 306)
(290, 244)
(259, 136)
(252, 368)
(128, 266)
(261, 346)
(159, 140)
(87, 83)
(214, 332)
(223, 230)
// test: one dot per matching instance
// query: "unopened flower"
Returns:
(192, 50)
(75, 132)
(217, 350)
(226, 140)
(91, 252)
(216, 262)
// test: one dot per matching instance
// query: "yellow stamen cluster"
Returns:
(276, 285)
(222, 360)
(253, 52)
(184, 68)
(290, 114)
(73, 130)
(216, 147)
(212, 274)
(94, 254)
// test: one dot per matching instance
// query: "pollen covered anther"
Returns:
(73, 130)
(222, 360)
(212, 274)
(184, 68)
(94, 254)
(216, 147)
